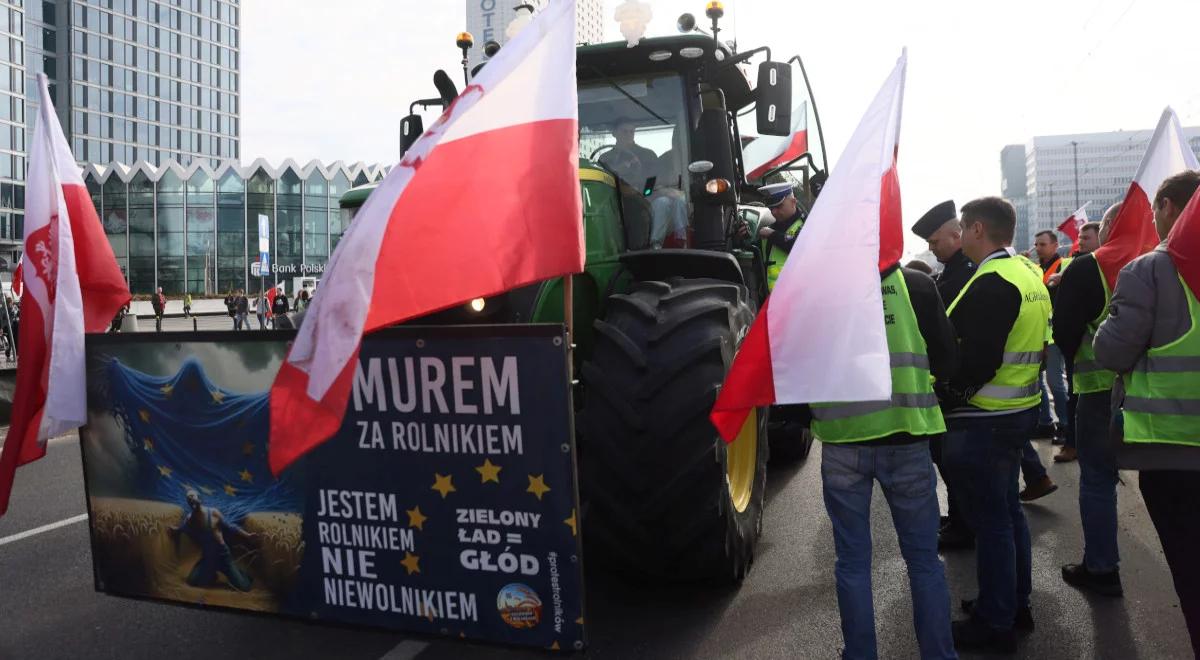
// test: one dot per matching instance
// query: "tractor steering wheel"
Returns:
(601, 148)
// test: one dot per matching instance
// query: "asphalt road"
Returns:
(786, 608)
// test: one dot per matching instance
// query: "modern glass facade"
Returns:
(12, 124)
(154, 80)
(195, 229)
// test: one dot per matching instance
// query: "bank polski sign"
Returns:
(264, 244)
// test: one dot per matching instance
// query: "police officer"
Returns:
(884, 441)
(1152, 338)
(1001, 318)
(1079, 309)
(779, 237)
(939, 227)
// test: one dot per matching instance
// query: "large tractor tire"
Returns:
(666, 498)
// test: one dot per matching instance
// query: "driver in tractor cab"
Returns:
(779, 237)
(629, 160)
(668, 203)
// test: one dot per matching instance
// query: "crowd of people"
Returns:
(271, 308)
(997, 349)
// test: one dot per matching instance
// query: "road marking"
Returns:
(44, 528)
(406, 650)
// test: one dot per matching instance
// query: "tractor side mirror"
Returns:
(774, 99)
(446, 88)
(411, 128)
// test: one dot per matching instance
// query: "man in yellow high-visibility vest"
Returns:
(990, 405)
(1151, 337)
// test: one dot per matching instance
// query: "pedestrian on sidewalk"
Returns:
(242, 307)
(1080, 307)
(280, 306)
(262, 309)
(1001, 318)
(159, 304)
(942, 231)
(865, 442)
(231, 307)
(187, 305)
(1151, 337)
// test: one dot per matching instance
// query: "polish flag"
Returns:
(502, 163)
(1183, 244)
(805, 333)
(1071, 226)
(75, 286)
(1132, 233)
(18, 281)
(771, 151)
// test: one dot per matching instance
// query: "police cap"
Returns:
(934, 218)
(775, 193)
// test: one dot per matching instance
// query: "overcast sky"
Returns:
(331, 80)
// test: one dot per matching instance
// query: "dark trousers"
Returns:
(1171, 498)
(954, 507)
(158, 322)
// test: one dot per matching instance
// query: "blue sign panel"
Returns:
(446, 504)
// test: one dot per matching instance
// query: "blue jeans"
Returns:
(1056, 377)
(985, 455)
(1097, 482)
(905, 472)
(1031, 464)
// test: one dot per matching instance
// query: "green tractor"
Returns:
(673, 279)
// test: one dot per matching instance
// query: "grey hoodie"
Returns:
(1148, 308)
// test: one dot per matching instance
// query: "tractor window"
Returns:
(638, 129)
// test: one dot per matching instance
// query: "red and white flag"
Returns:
(770, 151)
(1071, 226)
(74, 285)
(1132, 233)
(18, 281)
(402, 259)
(1183, 244)
(804, 333)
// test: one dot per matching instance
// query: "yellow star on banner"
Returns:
(145, 415)
(488, 471)
(230, 490)
(555, 646)
(443, 485)
(246, 476)
(206, 490)
(416, 518)
(167, 390)
(217, 396)
(537, 486)
(570, 522)
(411, 563)
(147, 444)
(248, 448)
(164, 471)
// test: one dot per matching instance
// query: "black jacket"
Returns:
(1079, 301)
(954, 276)
(279, 305)
(983, 319)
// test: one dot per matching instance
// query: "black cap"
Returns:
(934, 218)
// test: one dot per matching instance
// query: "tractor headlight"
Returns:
(477, 305)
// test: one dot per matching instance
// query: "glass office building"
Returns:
(195, 228)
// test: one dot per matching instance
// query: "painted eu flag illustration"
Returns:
(187, 433)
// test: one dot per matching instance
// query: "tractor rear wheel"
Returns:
(666, 497)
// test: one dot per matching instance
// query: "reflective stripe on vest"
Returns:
(1089, 376)
(778, 256)
(913, 407)
(1015, 385)
(1162, 393)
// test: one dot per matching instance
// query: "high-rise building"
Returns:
(1062, 172)
(487, 21)
(1012, 188)
(150, 80)
(131, 80)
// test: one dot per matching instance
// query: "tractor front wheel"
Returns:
(666, 497)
